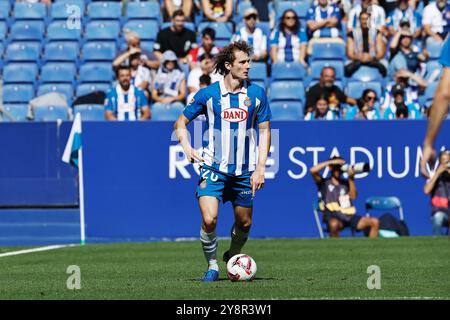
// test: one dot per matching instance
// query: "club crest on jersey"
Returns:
(247, 102)
(234, 114)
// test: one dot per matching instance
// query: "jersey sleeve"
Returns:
(108, 101)
(196, 106)
(263, 113)
(274, 37)
(445, 55)
(142, 100)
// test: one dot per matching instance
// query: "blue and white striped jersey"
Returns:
(126, 105)
(229, 136)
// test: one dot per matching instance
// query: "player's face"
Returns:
(240, 66)
(124, 77)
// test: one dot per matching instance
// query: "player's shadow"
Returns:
(226, 279)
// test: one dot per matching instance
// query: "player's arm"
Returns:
(109, 113)
(257, 178)
(180, 128)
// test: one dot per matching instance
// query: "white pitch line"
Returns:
(15, 253)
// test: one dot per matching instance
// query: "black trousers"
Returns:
(351, 68)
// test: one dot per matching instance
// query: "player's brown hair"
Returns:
(227, 55)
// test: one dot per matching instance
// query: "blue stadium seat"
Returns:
(188, 25)
(58, 31)
(434, 49)
(21, 93)
(356, 88)
(365, 73)
(301, 8)
(143, 10)
(23, 51)
(58, 72)
(165, 113)
(90, 112)
(146, 29)
(328, 51)
(98, 51)
(63, 88)
(220, 43)
(27, 30)
(433, 69)
(86, 88)
(4, 10)
(61, 10)
(286, 110)
(242, 6)
(102, 30)
(51, 113)
(100, 10)
(147, 45)
(429, 93)
(261, 83)
(20, 73)
(258, 71)
(3, 30)
(224, 30)
(265, 27)
(317, 66)
(18, 111)
(61, 51)
(96, 72)
(287, 90)
(287, 71)
(28, 11)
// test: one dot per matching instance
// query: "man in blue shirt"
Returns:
(231, 170)
(126, 102)
(439, 109)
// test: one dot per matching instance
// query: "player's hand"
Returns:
(193, 156)
(429, 155)
(257, 180)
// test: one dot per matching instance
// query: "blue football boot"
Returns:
(211, 275)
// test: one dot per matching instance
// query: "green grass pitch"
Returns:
(410, 268)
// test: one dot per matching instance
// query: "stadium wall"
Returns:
(139, 187)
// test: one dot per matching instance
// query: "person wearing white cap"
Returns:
(169, 84)
(253, 35)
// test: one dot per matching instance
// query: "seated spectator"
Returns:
(402, 13)
(366, 106)
(169, 85)
(206, 67)
(126, 102)
(321, 111)
(253, 35)
(176, 38)
(333, 94)
(203, 82)
(217, 10)
(288, 42)
(323, 22)
(149, 59)
(365, 47)
(207, 46)
(140, 75)
(170, 6)
(336, 196)
(404, 55)
(436, 20)
(399, 108)
(438, 187)
(377, 16)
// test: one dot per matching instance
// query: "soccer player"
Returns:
(231, 170)
(438, 110)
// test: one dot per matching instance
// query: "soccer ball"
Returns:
(241, 267)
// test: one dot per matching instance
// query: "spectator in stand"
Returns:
(323, 22)
(170, 6)
(126, 102)
(206, 67)
(203, 82)
(148, 59)
(438, 187)
(288, 42)
(404, 55)
(321, 111)
(436, 20)
(366, 106)
(333, 94)
(399, 108)
(175, 38)
(217, 10)
(169, 84)
(365, 47)
(402, 13)
(207, 46)
(377, 16)
(140, 75)
(253, 35)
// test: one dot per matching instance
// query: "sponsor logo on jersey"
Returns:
(234, 114)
